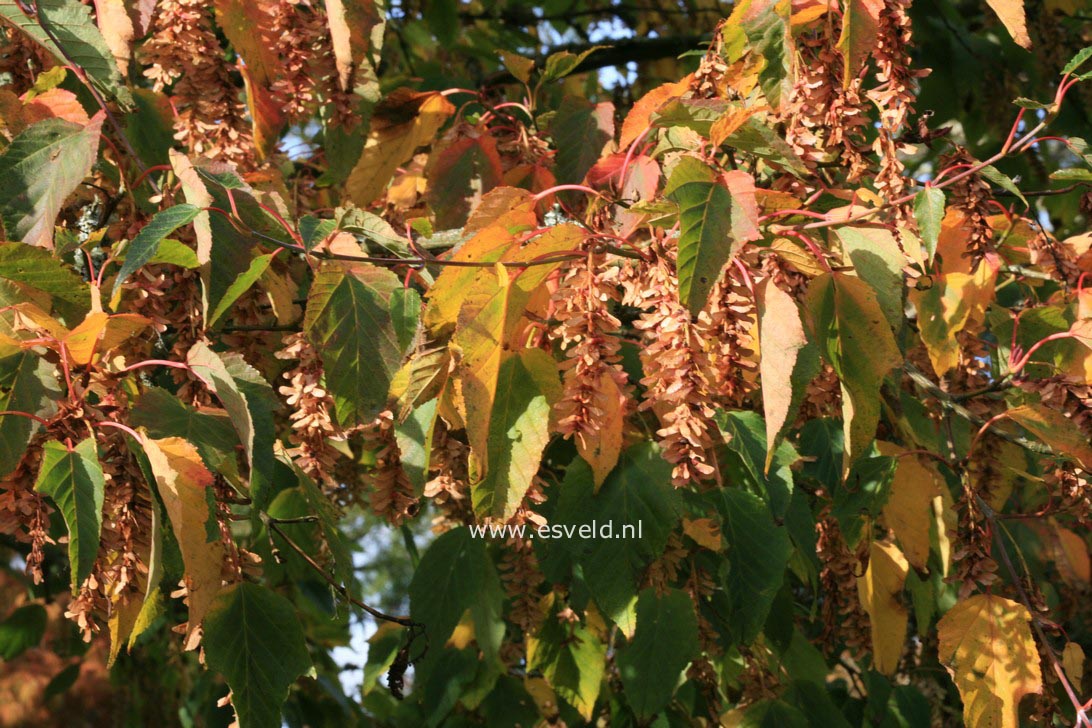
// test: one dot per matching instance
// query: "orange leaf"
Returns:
(638, 119)
(55, 103)
(99, 333)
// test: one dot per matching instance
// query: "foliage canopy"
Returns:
(686, 363)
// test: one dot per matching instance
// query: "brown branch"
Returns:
(274, 525)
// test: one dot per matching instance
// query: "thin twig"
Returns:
(334, 584)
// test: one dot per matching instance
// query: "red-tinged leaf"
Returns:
(183, 483)
(1013, 17)
(860, 21)
(268, 114)
(39, 170)
(717, 216)
(459, 174)
(638, 120)
(117, 29)
(248, 25)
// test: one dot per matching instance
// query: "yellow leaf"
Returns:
(544, 696)
(704, 531)
(987, 647)
(1011, 13)
(1073, 663)
(944, 516)
(123, 617)
(464, 633)
(730, 122)
(1055, 430)
(491, 242)
(955, 302)
(356, 34)
(404, 121)
(880, 590)
(909, 508)
(489, 313)
(183, 482)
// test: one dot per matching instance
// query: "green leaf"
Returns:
(240, 285)
(643, 509)
(879, 262)
(163, 414)
(405, 313)
(761, 139)
(1078, 60)
(770, 39)
(773, 714)
(253, 639)
(1072, 174)
(23, 629)
(70, 22)
(143, 247)
(250, 402)
(74, 480)
(929, 212)
(39, 170)
(848, 326)
(664, 644)
(580, 130)
(23, 378)
(758, 551)
(571, 658)
(1025, 103)
(349, 321)
(747, 439)
(561, 64)
(527, 388)
(35, 267)
(455, 574)
(1002, 180)
(716, 220)
(518, 66)
(314, 230)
